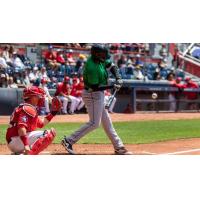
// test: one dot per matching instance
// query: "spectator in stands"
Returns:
(122, 61)
(11, 51)
(191, 96)
(69, 56)
(43, 74)
(131, 60)
(25, 78)
(138, 75)
(6, 53)
(60, 58)
(3, 80)
(80, 62)
(33, 76)
(163, 51)
(50, 59)
(3, 64)
(160, 71)
(11, 83)
(18, 64)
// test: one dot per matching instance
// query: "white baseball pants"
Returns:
(17, 146)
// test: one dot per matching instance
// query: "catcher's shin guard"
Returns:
(43, 142)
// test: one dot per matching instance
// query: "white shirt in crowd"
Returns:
(138, 75)
(33, 76)
(13, 85)
(18, 63)
(6, 56)
(3, 63)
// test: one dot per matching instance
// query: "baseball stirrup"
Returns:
(43, 142)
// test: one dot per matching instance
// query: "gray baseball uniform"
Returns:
(94, 102)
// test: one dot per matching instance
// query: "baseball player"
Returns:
(47, 98)
(63, 92)
(95, 82)
(77, 89)
(21, 136)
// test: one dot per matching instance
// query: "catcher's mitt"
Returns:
(56, 105)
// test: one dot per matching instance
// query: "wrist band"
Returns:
(49, 117)
(24, 139)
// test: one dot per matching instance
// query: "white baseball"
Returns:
(154, 95)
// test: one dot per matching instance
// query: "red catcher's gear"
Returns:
(43, 142)
(33, 91)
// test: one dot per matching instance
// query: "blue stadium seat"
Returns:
(163, 73)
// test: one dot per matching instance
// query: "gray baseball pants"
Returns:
(94, 102)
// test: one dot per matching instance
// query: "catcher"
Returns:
(21, 136)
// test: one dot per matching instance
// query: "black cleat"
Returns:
(68, 146)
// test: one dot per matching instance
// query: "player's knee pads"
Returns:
(43, 142)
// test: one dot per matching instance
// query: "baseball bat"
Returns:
(108, 104)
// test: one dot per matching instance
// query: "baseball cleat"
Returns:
(68, 146)
(122, 151)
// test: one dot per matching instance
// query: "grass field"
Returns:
(130, 132)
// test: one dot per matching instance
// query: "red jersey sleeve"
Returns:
(40, 123)
(23, 120)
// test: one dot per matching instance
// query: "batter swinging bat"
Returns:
(108, 104)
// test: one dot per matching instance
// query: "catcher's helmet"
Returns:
(33, 91)
(99, 52)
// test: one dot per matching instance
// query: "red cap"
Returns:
(179, 79)
(75, 79)
(66, 79)
(187, 79)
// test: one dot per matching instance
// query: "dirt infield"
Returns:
(176, 147)
(120, 117)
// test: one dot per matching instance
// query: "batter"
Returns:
(95, 77)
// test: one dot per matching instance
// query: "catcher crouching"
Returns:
(21, 136)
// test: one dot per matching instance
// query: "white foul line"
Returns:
(181, 152)
(172, 153)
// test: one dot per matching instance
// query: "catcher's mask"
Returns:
(34, 91)
(99, 52)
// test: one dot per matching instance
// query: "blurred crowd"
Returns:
(16, 70)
